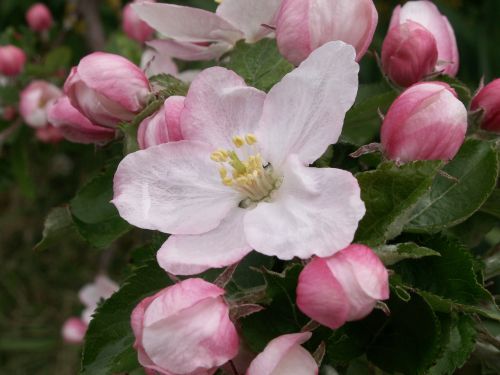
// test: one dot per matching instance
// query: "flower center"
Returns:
(243, 170)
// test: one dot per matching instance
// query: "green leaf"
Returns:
(362, 122)
(56, 59)
(96, 219)
(260, 64)
(462, 90)
(390, 194)
(58, 224)
(407, 341)
(450, 202)
(280, 316)
(108, 343)
(391, 254)
(492, 205)
(460, 343)
(450, 276)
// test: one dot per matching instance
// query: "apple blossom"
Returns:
(74, 126)
(427, 15)
(12, 60)
(304, 25)
(35, 99)
(107, 88)
(164, 126)
(39, 17)
(426, 122)
(488, 99)
(184, 329)
(73, 330)
(343, 287)
(285, 356)
(133, 26)
(196, 34)
(240, 178)
(409, 53)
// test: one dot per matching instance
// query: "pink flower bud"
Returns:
(133, 26)
(427, 15)
(284, 355)
(12, 60)
(48, 134)
(74, 126)
(426, 122)
(39, 17)
(107, 88)
(409, 53)
(164, 126)
(304, 25)
(185, 329)
(343, 287)
(34, 101)
(73, 330)
(488, 99)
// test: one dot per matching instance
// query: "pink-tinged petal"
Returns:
(353, 22)
(314, 212)
(488, 99)
(320, 296)
(34, 100)
(199, 337)
(187, 24)
(155, 62)
(74, 126)
(249, 16)
(417, 128)
(304, 113)
(193, 254)
(73, 330)
(218, 106)
(282, 352)
(167, 187)
(174, 106)
(427, 14)
(190, 51)
(363, 277)
(134, 27)
(115, 78)
(292, 30)
(102, 288)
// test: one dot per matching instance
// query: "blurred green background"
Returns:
(38, 290)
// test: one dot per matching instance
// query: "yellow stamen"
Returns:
(251, 139)
(223, 173)
(238, 141)
(227, 181)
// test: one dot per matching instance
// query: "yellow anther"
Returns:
(251, 139)
(243, 180)
(223, 172)
(227, 181)
(224, 153)
(238, 141)
(216, 156)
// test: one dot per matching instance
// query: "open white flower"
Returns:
(240, 180)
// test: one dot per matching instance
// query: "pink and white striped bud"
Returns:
(426, 122)
(427, 15)
(73, 330)
(304, 25)
(164, 126)
(12, 60)
(74, 126)
(35, 99)
(133, 26)
(185, 329)
(39, 17)
(488, 99)
(409, 53)
(343, 287)
(107, 88)
(285, 355)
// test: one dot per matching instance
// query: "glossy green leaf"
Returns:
(58, 224)
(390, 254)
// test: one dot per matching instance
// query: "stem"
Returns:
(233, 367)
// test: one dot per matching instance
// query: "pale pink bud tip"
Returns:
(73, 330)
(34, 101)
(304, 25)
(488, 99)
(189, 317)
(426, 122)
(409, 53)
(134, 27)
(12, 60)
(39, 17)
(285, 355)
(343, 287)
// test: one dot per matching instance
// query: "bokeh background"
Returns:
(38, 289)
